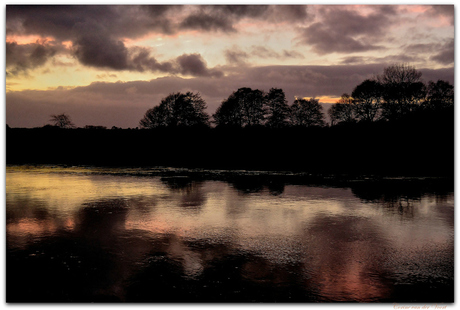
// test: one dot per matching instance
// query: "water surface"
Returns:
(106, 235)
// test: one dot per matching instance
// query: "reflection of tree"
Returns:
(247, 184)
(395, 190)
(276, 187)
(335, 258)
(102, 219)
(190, 191)
(399, 197)
(177, 182)
(253, 184)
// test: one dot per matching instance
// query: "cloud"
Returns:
(236, 56)
(140, 60)
(346, 30)
(98, 49)
(20, 58)
(292, 54)
(291, 13)
(265, 52)
(208, 22)
(193, 64)
(240, 11)
(387, 60)
(446, 54)
(443, 11)
(325, 41)
(62, 21)
(420, 48)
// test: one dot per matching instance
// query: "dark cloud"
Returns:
(235, 56)
(387, 60)
(225, 17)
(419, 48)
(293, 13)
(97, 32)
(446, 11)
(142, 61)
(62, 21)
(59, 21)
(325, 41)
(446, 54)
(292, 54)
(342, 30)
(20, 58)
(240, 11)
(194, 64)
(208, 22)
(265, 52)
(353, 60)
(98, 49)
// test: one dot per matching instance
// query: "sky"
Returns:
(107, 64)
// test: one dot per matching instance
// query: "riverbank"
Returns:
(416, 148)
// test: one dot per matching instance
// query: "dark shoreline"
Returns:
(421, 146)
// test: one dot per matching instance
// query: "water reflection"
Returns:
(84, 236)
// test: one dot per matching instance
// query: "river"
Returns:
(88, 234)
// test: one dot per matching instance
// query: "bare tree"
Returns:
(342, 111)
(62, 121)
(402, 89)
(367, 100)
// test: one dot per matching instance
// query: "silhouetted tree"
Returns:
(402, 90)
(367, 100)
(229, 113)
(278, 109)
(307, 113)
(439, 95)
(244, 107)
(62, 121)
(342, 111)
(177, 109)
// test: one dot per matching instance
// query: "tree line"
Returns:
(397, 92)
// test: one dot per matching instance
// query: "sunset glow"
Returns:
(317, 51)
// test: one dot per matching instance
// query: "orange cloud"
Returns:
(27, 39)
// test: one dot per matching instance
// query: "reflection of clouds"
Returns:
(325, 238)
(191, 260)
(67, 192)
(344, 257)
